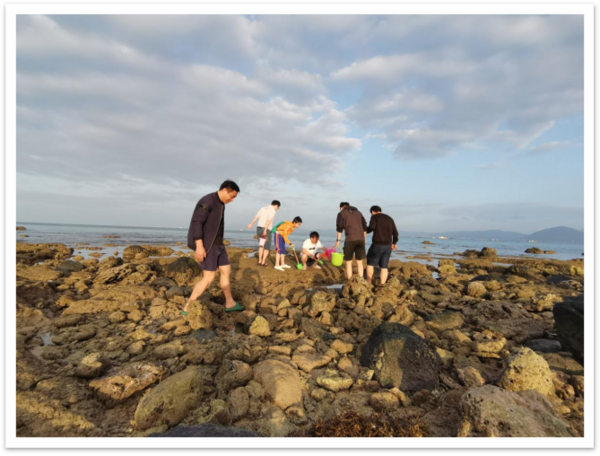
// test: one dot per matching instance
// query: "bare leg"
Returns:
(224, 282)
(383, 275)
(370, 271)
(349, 269)
(263, 260)
(304, 259)
(260, 253)
(201, 286)
(361, 268)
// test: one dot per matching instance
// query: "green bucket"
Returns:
(337, 259)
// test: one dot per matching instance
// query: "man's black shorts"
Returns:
(379, 255)
(216, 257)
(354, 247)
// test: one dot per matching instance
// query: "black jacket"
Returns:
(206, 221)
(384, 229)
(352, 221)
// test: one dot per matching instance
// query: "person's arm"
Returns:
(199, 218)
(364, 225)
(339, 227)
(253, 220)
(395, 236)
(372, 224)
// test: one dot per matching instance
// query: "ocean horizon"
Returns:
(113, 239)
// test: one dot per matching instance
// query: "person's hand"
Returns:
(292, 246)
(337, 243)
(200, 254)
(394, 247)
(249, 226)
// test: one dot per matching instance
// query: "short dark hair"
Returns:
(297, 220)
(314, 234)
(344, 204)
(275, 203)
(375, 209)
(230, 185)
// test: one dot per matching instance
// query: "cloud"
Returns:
(464, 84)
(188, 122)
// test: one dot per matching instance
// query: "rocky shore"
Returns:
(468, 348)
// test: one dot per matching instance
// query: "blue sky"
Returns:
(447, 122)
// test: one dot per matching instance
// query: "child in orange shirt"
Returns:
(282, 231)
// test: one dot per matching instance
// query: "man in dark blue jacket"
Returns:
(205, 237)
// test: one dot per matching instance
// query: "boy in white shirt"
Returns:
(265, 217)
(309, 251)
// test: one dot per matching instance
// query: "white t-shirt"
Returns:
(312, 248)
(264, 214)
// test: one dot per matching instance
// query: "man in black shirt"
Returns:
(385, 238)
(205, 238)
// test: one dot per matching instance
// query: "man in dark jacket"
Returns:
(205, 237)
(351, 221)
(385, 238)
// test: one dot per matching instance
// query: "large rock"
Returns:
(171, 400)
(401, 358)
(117, 388)
(232, 375)
(489, 411)
(527, 371)
(134, 252)
(506, 318)
(321, 302)
(568, 318)
(183, 271)
(280, 381)
(357, 289)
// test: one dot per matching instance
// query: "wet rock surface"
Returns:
(480, 350)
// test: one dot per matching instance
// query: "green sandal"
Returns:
(184, 313)
(235, 308)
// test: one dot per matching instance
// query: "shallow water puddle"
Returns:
(46, 339)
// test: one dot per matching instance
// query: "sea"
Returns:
(84, 237)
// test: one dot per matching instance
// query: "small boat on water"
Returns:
(442, 237)
(531, 241)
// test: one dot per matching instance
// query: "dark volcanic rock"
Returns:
(544, 345)
(401, 358)
(206, 430)
(534, 250)
(204, 335)
(568, 317)
(183, 270)
(164, 282)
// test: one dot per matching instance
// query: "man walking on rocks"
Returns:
(205, 237)
(351, 221)
(385, 238)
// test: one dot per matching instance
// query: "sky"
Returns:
(446, 122)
